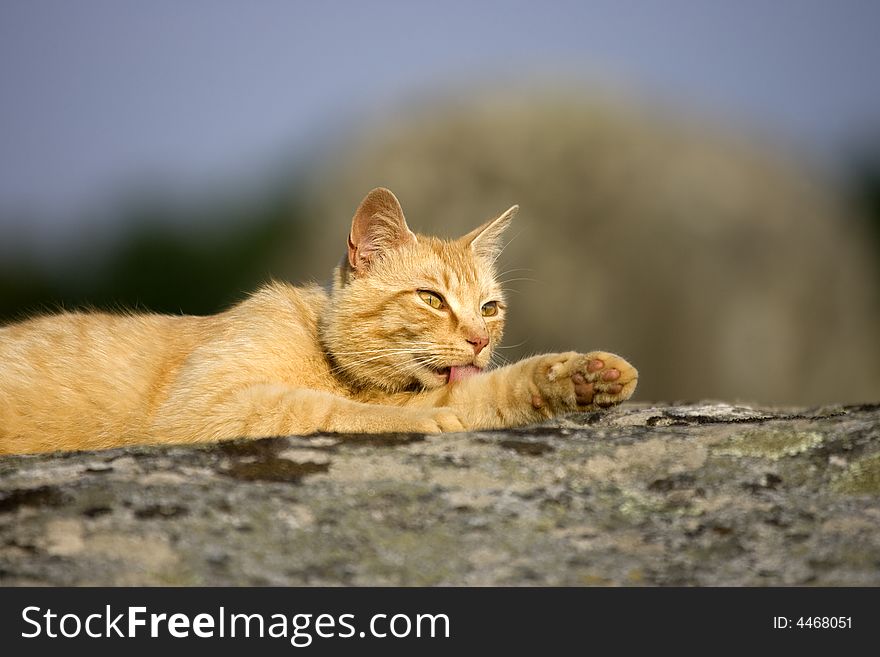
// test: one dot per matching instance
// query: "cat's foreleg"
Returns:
(280, 410)
(541, 387)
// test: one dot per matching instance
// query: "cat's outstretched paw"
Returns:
(608, 380)
(573, 381)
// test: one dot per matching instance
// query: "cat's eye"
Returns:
(489, 309)
(431, 298)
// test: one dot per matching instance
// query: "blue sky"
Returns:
(99, 94)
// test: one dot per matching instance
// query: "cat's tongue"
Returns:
(462, 372)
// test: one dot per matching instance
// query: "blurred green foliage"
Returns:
(229, 248)
(865, 182)
(160, 267)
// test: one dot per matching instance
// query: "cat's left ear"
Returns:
(486, 240)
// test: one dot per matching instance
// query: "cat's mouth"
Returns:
(456, 372)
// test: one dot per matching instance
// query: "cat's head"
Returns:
(409, 311)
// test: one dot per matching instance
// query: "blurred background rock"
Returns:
(699, 182)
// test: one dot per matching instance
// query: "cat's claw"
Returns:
(439, 420)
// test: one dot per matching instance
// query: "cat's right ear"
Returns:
(378, 225)
(486, 240)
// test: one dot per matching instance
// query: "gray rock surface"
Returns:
(707, 494)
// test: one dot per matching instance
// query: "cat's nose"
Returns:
(478, 342)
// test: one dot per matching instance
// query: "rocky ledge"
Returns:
(705, 494)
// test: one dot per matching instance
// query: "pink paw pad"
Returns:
(582, 389)
(611, 375)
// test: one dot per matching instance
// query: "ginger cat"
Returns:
(400, 342)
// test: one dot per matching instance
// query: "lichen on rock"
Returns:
(703, 494)
(771, 444)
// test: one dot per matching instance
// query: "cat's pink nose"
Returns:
(478, 342)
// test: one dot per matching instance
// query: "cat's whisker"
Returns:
(500, 276)
(501, 250)
(515, 280)
(499, 356)
(392, 368)
(409, 348)
(513, 346)
(389, 350)
(378, 353)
